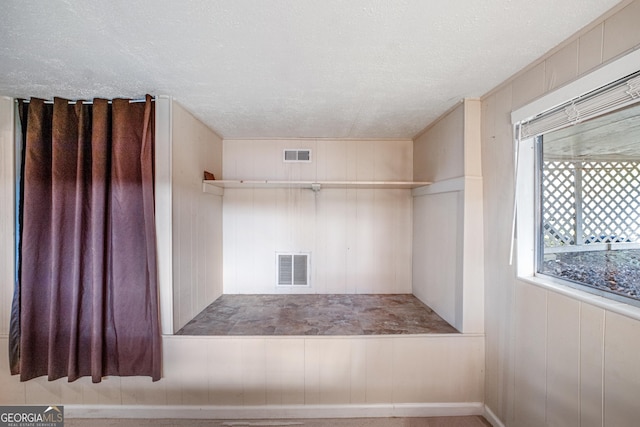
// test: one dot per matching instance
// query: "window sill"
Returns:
(560, 287)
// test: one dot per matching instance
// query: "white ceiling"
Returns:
(283, 68)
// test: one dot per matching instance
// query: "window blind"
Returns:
(610, 97)
(619, 94)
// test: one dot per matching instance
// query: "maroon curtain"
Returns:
(88, 299)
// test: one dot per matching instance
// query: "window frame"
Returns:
(539, 239)
(527, 186)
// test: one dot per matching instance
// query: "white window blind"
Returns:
(616, 95)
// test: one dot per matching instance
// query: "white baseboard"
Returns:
(273, 411)
(492, 418)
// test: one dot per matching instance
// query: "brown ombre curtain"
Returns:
(87, 299)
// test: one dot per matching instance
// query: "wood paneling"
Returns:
(359, 239)
(438, 153)
(437, 252)
(563, 361)
(562, 66)
(530, 358)
(591, 365)
(196, 218)
(621, 371)
(448, 260)
(621, 31)
(251, 371)
(551, 360)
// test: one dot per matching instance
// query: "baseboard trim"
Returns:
(492, 418)
(273, 411)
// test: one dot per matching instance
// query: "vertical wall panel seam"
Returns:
(546, 355)
(304, 371)
(602, 32)
(578, 43)
(580, 304)
(515, 356)
(602, 369)
(170, 210)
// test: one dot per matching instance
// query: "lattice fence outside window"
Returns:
(590, 202)
(558, 204)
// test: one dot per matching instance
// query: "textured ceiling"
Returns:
(283, 68)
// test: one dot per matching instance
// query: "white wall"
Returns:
(447, 216)
(359, 239)
(196, 217)
(551, 359)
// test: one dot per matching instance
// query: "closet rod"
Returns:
(131, 101)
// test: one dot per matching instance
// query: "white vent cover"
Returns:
(297, 155)
(293, 269)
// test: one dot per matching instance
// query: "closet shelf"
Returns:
(218, 186)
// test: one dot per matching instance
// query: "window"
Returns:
(577, 212)
(588, 229)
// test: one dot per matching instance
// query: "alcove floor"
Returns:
(333, 314)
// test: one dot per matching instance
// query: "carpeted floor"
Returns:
(317, 315)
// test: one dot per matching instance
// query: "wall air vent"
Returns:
(293, 269)
(297, 155)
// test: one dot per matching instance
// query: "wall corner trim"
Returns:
(164, 221)
(492, 417)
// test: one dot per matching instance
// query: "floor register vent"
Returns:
(293, 269)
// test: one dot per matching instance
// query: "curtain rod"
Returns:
(131, 101)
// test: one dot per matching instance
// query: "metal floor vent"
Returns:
(293, 269)
(294, 155)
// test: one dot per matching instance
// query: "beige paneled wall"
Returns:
(551, 359)
(248, 376)
(437, 252)
(332, 160)
(438, 155)
(447, 218)
(438, 152)
(228, 372)
(196, 217)
(359, 239)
